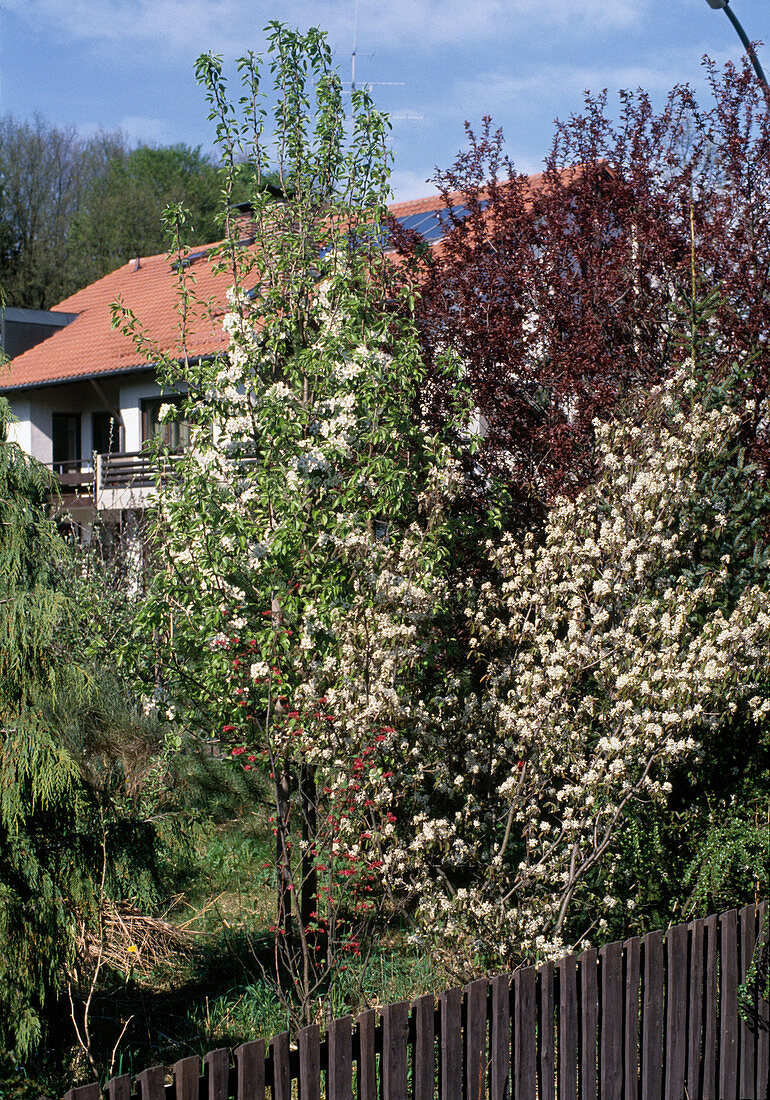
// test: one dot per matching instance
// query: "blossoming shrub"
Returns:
(306, 537)
(619, 649)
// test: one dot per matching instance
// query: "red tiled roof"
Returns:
(89, 347)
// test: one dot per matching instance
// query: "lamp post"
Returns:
(725, 5)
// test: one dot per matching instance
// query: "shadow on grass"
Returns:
(220, 996)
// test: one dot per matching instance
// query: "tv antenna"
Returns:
(368, 83)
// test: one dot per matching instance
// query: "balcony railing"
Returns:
(123, 470)
(75, 475)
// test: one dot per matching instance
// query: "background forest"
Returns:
(72, 209)
(453, 647)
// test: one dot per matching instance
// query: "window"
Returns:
(174, 434)
(65, 441)
(105, 433)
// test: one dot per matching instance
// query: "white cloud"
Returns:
(408, 185)
(229, 26)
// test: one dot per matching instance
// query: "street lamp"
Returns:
(725, 5)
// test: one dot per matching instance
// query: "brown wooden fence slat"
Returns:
(728, 1014)
(676, 1011)
(339, 1075)
(119, 1088)
(695, 993)
(711, 1010)
(279, 1053)
(500, 1038)
(187, 1073)
(631, 1008)
(525, 1034)
(250, 1060)
(216, 1068)
(763, 1007)
(546, 1032)
(568, 1028)
(450, 1045)
(652, 1017)
(84, 1092)
(746, 1038)
(367, 1060)
(424, 1064)
(395, 1056)
(589, 1019)
(309, 1045)
(476, 1039)
(152, 1083)
(611, 1021)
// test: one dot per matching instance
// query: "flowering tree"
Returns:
(626, 644)
(466, 733)
(300, 601)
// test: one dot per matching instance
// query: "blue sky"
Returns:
(433, 64)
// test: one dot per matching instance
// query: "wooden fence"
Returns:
(654, 1018)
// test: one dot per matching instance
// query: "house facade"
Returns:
(85, 401)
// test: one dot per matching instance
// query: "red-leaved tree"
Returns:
(564, 293)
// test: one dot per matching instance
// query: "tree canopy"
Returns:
(66, 837)
(564, 295)
(74, 208)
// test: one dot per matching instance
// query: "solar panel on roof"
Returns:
(432, 225)
(178, 265)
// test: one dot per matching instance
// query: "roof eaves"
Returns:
(135, 369)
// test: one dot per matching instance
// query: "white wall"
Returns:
(19, 430)
(33, 410)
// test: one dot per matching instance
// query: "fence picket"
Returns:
(339, 1075)
(589, 1018)
(676, 1011)
(450, 1045)
(546, 1033)
(216, 1069)
(568, 1028)
(695, 996)
(84, 1092)
(500, 1038)
(424, 1065)
(763, 1008)
(309, 1045)
(728, 1015)
(250, 1060)
(611, 1020)
(711, 1010)
(279, 1054)
(476, 1039)
(186, 1076)
(525, 1034)
(652, 1017)
(746, 1038)
(119, 1088)
(152, 1083)
(367, 1056)
(395, 1034)
(631, 1009)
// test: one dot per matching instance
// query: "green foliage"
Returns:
(733, 860)
(73, 209)
(64, 835)
(121, 216)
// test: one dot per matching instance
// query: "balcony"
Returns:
(108, 482)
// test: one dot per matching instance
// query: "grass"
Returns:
(217, 994)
